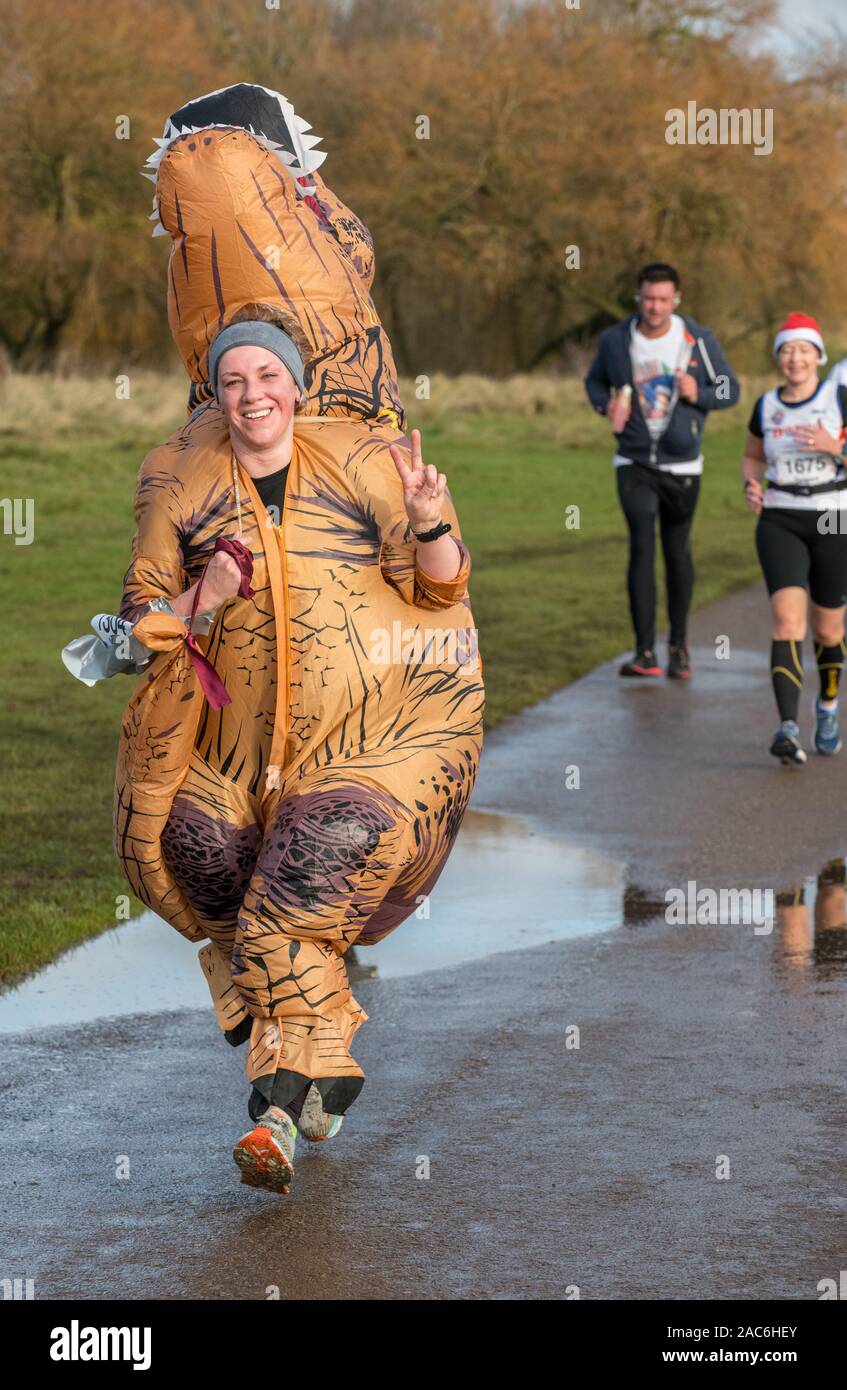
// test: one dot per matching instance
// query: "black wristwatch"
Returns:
(440, 530)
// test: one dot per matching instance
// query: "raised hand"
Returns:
(423, 486)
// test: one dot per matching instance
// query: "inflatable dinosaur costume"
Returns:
(317, 807)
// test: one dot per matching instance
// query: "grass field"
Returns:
(549, 601)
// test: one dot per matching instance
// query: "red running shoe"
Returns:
(644, 663)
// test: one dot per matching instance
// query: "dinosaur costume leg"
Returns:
(284, 890)
(345, 858)
(332, 851)
(211, 842)
(282, 895)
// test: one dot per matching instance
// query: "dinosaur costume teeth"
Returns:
(296, 151)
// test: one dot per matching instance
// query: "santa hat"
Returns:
(799, 326)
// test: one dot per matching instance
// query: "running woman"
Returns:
(667, 373)
(795, 441)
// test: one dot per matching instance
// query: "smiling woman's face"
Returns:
(798, 362)
(257, 395)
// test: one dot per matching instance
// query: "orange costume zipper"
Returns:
(278, 576)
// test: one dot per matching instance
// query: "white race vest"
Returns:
(783, 426)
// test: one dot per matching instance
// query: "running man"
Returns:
(667, 373)
(796, 440)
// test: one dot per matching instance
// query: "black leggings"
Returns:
(645, 493)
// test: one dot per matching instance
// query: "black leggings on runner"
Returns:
(646, 493)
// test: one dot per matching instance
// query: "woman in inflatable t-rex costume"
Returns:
(319, 805)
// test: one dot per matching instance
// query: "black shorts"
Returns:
(792, 551)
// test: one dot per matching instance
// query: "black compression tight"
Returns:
(641, 578)
(645, 495)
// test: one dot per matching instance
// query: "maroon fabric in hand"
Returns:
(243, 558)
(213, 687)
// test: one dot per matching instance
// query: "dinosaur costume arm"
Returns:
(156, 567)
(125, 644)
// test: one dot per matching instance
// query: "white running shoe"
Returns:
(316, 1124)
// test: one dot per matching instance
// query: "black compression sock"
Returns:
(787, 677)
(830, 663)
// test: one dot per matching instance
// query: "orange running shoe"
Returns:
(266, 1154)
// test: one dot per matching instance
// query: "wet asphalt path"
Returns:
(677, 779)
(549, 1166)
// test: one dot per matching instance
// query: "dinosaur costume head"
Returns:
(252, 221)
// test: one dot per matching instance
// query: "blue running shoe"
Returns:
(786, 743)
(827, 737)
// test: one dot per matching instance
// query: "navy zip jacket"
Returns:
(717, 388)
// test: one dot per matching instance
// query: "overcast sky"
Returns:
(799, 16)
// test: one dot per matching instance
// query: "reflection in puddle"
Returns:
(505, 887)
(640, 906)
(812, 921)
(811, 918)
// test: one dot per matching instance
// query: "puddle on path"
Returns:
(505, 887)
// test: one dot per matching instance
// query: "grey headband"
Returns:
(255, 333)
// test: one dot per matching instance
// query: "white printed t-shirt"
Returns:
(657, 365)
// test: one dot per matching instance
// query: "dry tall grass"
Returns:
(42, 407)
